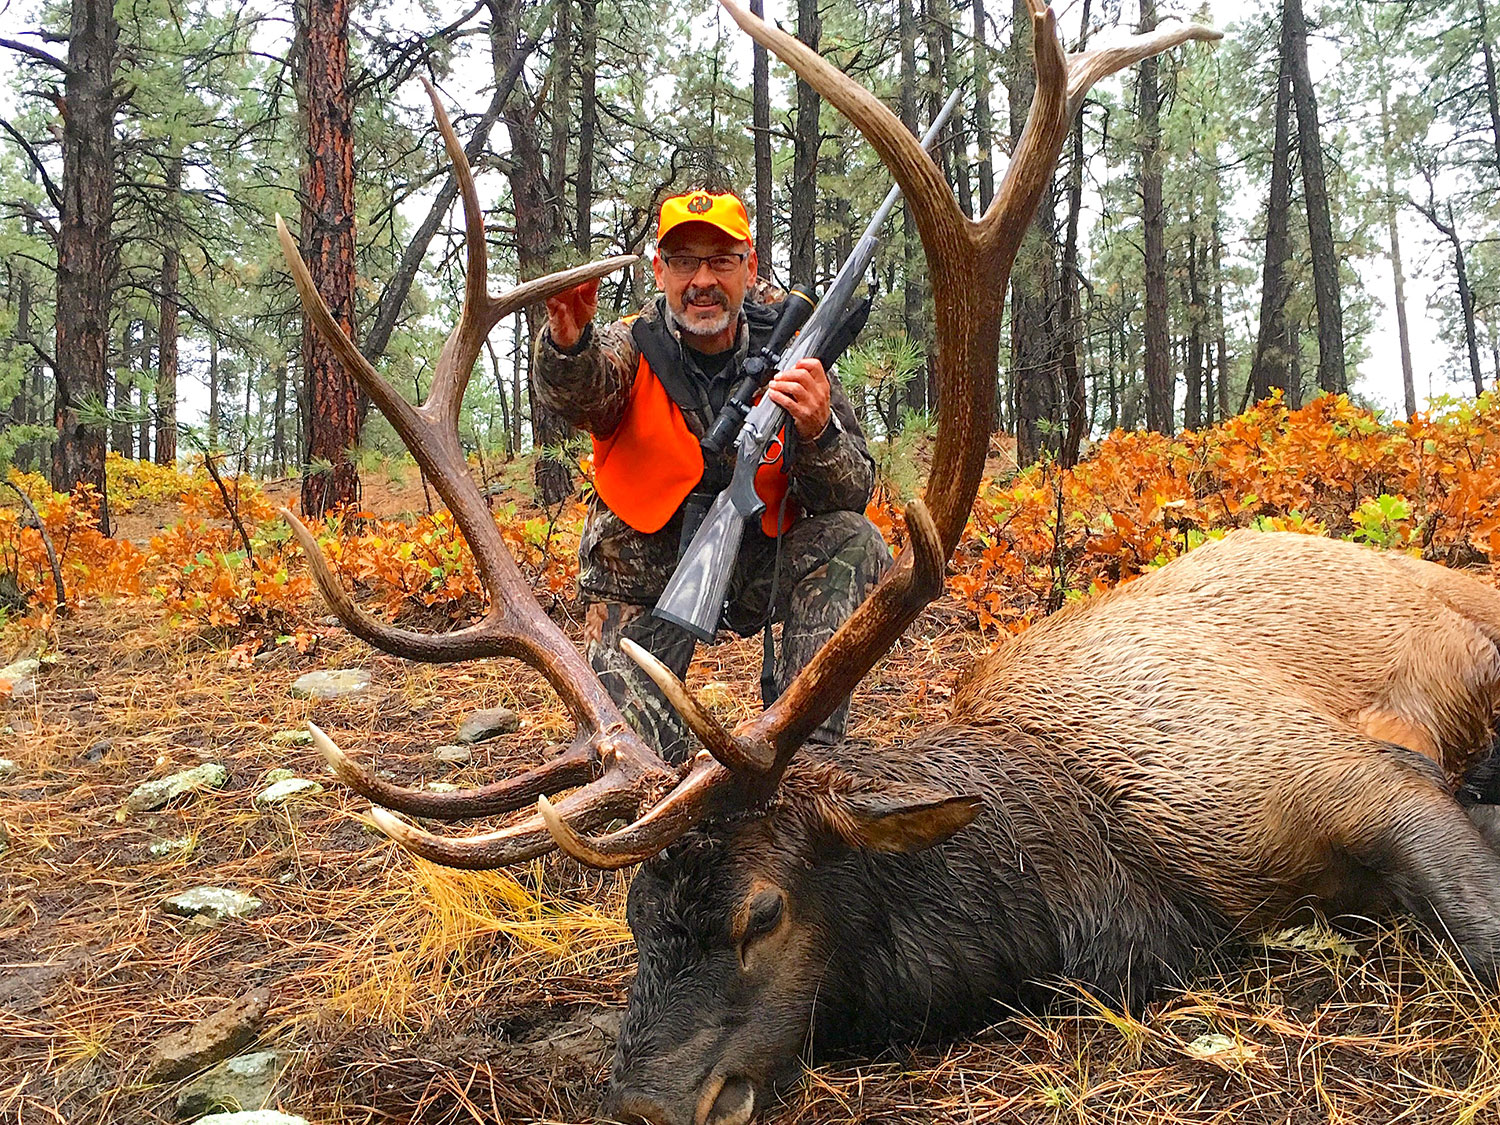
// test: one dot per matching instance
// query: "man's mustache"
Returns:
(693, 292)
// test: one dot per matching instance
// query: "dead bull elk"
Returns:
(1268, 721)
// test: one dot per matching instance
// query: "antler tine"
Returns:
(584, 810)
(693, 798)
(575, 766)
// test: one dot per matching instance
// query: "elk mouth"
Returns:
(732, 1099)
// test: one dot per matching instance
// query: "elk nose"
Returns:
(631, 1107)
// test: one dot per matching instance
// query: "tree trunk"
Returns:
(143, 385)
(983, 124)
(166, 370)
(957, 145)
(1392, 212)
(1332, 376)
(760, 120)
(121, 430)
(1274, 346)
(538, 236)
(913, 313)
(1192, 369)
(1491, 94)
(560, 72)
(1466, 303)
(1034, 355)
(86, 254)
(1074, 397)
(213, 390)
(1160, 388)
(1221, 333)
(805, 144)
(335, 406)
(588, 116)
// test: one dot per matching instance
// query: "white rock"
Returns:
(155, 794)
(212, 902)
(286, 789)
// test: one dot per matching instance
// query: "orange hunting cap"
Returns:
(723, 211)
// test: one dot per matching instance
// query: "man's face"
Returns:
(704, 303)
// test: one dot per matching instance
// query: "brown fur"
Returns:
(1247, 695)
(1270, 721)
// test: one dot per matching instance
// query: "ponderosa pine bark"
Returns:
(588, 118)
(1075, 399)
(87, 257)
(166, 358)
(1274, 346)
(760, 121)
(1160, 388)
(1034, 346)
(1332, 376)
(538, 237)
(335, 405)
(806, 141)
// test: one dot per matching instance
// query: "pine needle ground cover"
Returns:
(405, 992)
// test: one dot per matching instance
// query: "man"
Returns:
(648, 388)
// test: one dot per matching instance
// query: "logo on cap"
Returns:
(699, 204)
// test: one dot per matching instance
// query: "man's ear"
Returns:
(752, 263)
(659, 268)
(890, 817)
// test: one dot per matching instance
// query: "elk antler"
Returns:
(969, 262)
(618, 772)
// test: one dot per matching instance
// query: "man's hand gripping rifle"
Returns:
(694, 596)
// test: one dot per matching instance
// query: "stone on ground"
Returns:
(155, 794)
(245, 1082)
(483, 725)
(211, 903)
(209, 1040)
(332, 683)
(286, 789)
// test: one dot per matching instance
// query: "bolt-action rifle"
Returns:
(694, 597)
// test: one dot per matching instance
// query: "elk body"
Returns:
(1269, 721)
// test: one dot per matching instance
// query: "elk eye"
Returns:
(763, 916)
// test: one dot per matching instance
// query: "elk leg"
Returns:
(1437, 864)
(645, 708)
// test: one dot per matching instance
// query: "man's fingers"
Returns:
(570, 310)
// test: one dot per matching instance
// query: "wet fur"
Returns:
(1162, 768)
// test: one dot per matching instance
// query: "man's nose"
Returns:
(703, 276)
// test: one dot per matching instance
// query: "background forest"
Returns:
(1223, 224)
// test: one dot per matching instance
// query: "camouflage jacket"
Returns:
(590, 385)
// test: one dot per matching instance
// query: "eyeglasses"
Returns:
(686, 265)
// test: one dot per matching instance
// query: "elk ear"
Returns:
(885, 817)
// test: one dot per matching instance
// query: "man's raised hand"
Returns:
(570, 312)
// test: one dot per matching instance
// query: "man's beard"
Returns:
(712, 327)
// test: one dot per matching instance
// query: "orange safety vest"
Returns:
(647, 467)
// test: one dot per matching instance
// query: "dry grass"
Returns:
(405, 992)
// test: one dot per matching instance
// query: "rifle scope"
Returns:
(758, 369)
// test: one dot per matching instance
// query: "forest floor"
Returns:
(405, 992)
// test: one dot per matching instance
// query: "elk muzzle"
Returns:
(717, 1100)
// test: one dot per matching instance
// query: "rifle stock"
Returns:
(694, 597)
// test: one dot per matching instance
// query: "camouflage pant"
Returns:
(828, 564)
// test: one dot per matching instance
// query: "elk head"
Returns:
(752, 873)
